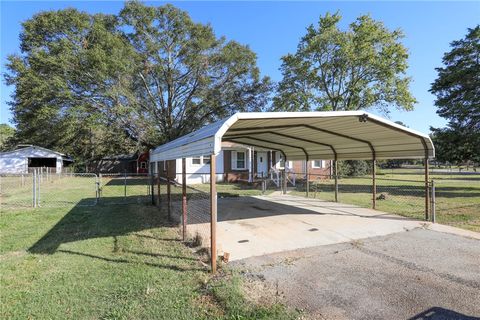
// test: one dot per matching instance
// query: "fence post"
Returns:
(34, 190)
(427, 196)
(97, 188)
(125, 185)
(152, 186)
(159, 199)
(213, 213)
(184, 199)
(38, 189)
(433, 212)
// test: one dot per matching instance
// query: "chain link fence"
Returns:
(123, 188)
(400, 196)
(43, 188)
(168, 196)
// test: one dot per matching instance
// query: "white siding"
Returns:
(199, 173)
(17, 161)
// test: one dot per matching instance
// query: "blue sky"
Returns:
(273, 29)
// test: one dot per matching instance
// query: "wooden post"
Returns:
(427, 195)
(169, 202)
(335, 172)
(374, 183)
(184, 199)
(307, 183)
(213, 214)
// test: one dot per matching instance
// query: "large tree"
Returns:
(69, 61)
(6, 134)
(360, 68)
(457, 90)
(185, 75)
(98, 84)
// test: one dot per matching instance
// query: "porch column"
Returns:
(307, 177)
(213, 214)
(374, 182)
(169, 202)
(284, 182)
(335, 174)
(427, 194)
(184, 199)
(250, 165)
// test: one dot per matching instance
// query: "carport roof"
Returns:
(341, 135)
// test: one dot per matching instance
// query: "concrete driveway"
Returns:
(254, 226)
(420, 274)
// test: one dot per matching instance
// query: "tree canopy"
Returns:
(92, 85)
(457, 90)
(360, 68)
(6, 134)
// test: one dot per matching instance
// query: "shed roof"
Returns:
(342, 135)
(37, 151)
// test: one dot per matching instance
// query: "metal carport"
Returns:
(335, 135)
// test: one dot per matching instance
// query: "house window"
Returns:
(197, 160)
(206, 159)
(317, 164)
(238, 160)
(143, 165)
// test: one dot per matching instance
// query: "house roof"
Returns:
(342, 135)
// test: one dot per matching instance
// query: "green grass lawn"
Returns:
(110, 262)
(457, 195)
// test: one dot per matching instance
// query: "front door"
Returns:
(262, 165)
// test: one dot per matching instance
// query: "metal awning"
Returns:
(341, 135)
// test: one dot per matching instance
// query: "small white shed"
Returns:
(29, 157)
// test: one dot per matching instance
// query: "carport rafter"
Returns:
(273, 142)
(254, 130)
(296, 138)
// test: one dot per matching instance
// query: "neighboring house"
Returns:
(238, 163)
(26, 158)
(129, 163)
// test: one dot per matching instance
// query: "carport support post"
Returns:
(158, 184)
(184, 199)
(213, 214)
(427, 195)
(335, 173)
(168, 190)
(307, 184)
(374, 183)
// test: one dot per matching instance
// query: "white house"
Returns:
(235, 162)
(26, 158)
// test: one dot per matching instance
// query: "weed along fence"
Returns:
(41, 188)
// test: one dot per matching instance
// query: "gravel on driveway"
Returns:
(419, 274)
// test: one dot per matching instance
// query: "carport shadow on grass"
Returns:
(437, 313)
(126, 261)
(87, 222)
